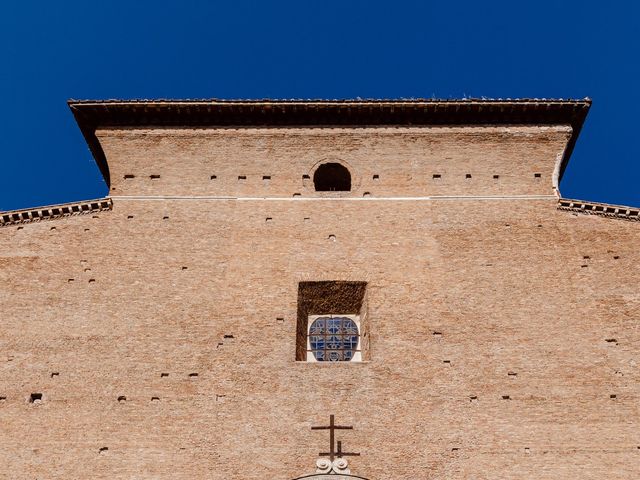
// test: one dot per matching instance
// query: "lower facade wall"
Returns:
(503, 341)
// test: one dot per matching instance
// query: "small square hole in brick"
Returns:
(242, 177)
(496, 177)
(613, 396)
(616, 257)
(228, 335)
(129, 217)
(506, 397)
(129, 176)
(155, 399)
(376, 177)
(266, 177)
(35, 398)
(92, 280)
(104, 449)
(193, 374)
(184, 268)
(165, 218)
(473, 398)
(163, 375)
(213, 177)
(296, 194)
(268, 219)
(154, 177)
(122, 398)
(437, 334)
(366, 194)
(55, 374)
(436, 176)
(467, 176)
(537, 175)
(280, 319)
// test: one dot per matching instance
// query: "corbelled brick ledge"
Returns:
(592, 208)
(81, 208)
(54, 211)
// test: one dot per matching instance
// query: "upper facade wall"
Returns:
(383, 161)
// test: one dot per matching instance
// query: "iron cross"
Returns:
(332, 427)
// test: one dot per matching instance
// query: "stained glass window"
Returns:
(334, 339)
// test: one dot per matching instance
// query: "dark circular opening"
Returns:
(332, 177)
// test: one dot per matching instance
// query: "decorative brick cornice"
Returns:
(604, 209)
(54, 211)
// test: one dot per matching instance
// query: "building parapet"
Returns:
(604, 209)
(54, 211)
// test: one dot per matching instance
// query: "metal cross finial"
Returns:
(332, 427)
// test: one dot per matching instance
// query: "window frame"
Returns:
(357, 352)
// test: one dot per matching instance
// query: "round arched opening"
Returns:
(332, 177)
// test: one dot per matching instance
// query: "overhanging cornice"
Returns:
(94, 114)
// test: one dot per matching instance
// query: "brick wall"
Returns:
(495, 349)
(420, 161)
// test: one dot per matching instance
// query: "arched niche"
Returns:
(332, 177)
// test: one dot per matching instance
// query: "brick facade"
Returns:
(161, 332)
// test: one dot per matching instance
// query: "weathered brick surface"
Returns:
(504, 281)
(404, 158)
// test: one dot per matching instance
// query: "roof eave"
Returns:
(93, 114)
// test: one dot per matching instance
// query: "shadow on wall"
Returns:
(331, 297)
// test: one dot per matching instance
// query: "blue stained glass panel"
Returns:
(333, 339)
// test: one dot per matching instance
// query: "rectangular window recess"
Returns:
(340, 309)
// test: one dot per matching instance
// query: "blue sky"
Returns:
(53, 51)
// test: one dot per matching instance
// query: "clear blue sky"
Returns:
(52, 51)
